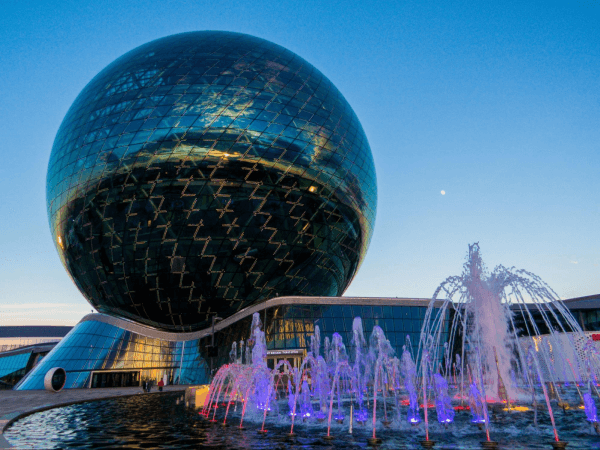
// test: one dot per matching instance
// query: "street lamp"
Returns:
(214, 319)
(212, 343)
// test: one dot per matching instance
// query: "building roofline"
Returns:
(584, 298)
(34, 331)
(33, 348)
(587, 302)
(151, 332)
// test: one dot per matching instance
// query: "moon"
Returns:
(443, 192)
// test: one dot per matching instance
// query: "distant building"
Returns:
(23, 347)
(586, 311)
(12, 337)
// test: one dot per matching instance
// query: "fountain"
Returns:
(497, 337)
(496, 363)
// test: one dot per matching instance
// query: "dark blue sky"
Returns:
(496, 104)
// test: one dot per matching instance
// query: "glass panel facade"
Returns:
(96, 347)
(205, 172)
(590, 319)
(522, 321)
(291, 326)
(12, 369)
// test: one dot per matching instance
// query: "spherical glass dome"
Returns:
(207, 171)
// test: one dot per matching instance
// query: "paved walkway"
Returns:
(15, 404)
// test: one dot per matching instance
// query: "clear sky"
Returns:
(495, 103)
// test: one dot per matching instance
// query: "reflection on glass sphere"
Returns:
(207, 171)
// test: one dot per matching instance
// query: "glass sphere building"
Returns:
(205, 172)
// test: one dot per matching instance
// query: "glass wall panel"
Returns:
(115, 350)
(377, 312)
(296, 325)
(96, 346)
(12, 369)
(367, 312)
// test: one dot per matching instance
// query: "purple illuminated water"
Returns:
(494, 364)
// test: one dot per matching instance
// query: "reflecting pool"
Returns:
(162, 421)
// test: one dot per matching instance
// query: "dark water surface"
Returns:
(162, 422)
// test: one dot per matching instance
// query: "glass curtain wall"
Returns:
(12, 369)
(590, 319)
(96, 347)
(290, 327)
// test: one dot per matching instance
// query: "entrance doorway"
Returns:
(294, 358)
(115, 379)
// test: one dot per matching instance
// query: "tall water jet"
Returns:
(258, 342)
(494, 313)
(361, 366)
(443, 403)
(409, 372)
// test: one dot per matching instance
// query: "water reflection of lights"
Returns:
(517, 408)
(144, 414)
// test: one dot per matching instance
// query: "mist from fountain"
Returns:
(490, 313)
(495, 335)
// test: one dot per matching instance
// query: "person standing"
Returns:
(161, 383)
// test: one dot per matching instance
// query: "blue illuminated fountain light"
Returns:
(511, 372)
